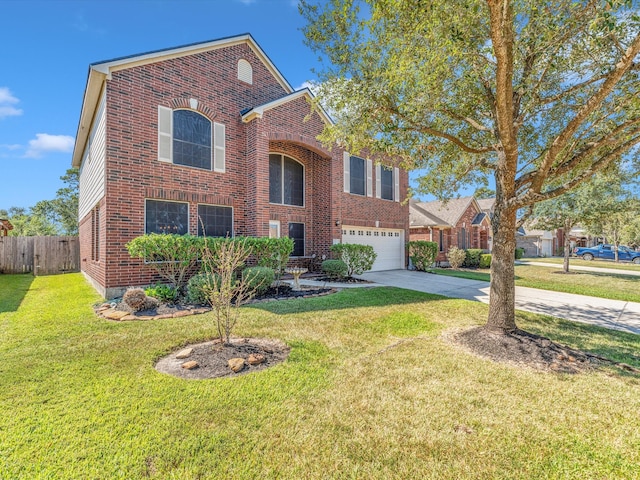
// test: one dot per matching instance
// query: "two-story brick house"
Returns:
(211, 138)
(461, 222)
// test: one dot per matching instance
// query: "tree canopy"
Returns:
(539, 94)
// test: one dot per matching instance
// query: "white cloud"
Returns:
(247, 2)
(6, 101)
(311, 85)
(48, 143)
(10, 146)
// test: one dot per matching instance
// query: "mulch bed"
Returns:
(212, 358)
(530, 350)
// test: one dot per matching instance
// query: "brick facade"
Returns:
(133, 173)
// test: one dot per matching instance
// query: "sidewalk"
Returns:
(616, 314)
(613, 271)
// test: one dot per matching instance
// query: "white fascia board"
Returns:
(90, 102)
(257, 112)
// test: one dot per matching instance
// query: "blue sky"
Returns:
(46, 48)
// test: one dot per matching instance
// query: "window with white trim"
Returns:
(358, 175)
(186, 137)
(296, 232)
(387, 183)
(166, 217)
(215, 221)
(286, 180)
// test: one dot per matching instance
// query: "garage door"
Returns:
(387, 243)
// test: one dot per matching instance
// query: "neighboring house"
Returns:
(211, 137)
(460, 222)
(5, 226)
(536, 243)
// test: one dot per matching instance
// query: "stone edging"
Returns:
(106, 311)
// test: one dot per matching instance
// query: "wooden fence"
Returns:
(39, 255)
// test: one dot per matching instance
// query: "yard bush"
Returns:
(164, 293)
(456, 257)
(172, 256)
(423, 254)
(334, 269)
(472, 257)
(358, 258)
(259, 278)
(135, 298)
(519, 253)
(273, 253)
(485, 260)
(196, 288)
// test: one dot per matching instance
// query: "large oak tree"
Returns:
(539, 94)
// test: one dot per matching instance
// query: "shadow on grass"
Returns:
(13, 289)
(616, 345)
(348, 298)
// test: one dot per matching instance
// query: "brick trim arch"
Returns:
(180, 103)
(305, 141)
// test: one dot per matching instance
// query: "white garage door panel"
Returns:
(387, 243)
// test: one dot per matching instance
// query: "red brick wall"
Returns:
(134, 174)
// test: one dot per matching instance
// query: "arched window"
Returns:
(286, 180)
(191, 139)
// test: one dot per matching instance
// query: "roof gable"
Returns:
(257, 112)
(450, 211)
(99, 72)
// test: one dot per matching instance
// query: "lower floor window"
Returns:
(296, 232)
(215, 221)
(166, 217)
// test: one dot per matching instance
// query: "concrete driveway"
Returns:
(616, 314)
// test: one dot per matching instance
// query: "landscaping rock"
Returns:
(236, 364)
(182, 313)
(129, 317)
(255, 359)
(114, 314)
(190, 365)
(186, 353)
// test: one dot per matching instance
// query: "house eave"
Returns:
(258, 112)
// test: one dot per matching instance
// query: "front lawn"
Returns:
(370, 390)
(595, 284)
(578, 262)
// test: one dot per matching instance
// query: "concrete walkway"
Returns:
(614, 314)
(614, 271)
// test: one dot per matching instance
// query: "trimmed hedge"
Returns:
(485, 260)
(472, 257)
(259, 278)
(358, 258)
(519, 253)
(334, 268)
(456, 257)
(423, 254)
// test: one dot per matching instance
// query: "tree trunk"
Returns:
(502, 315)
(567, 246)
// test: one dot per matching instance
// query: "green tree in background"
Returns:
(540, 95)
(48, 217)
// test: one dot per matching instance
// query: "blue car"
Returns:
(607, 252)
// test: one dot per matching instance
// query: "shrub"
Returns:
(273, 253)
(135, 298)
(259, 278)
(164, 293)
(423, 254)
(196, 292)
(151, 303)
(472, 257)
(519, 253)
(335, 269)
(225, 293)
(358, 258)
(485, 260)
(172, 256)
(456, 257)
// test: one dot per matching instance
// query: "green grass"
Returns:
(578, 262)
(371, 390)
(595, 284)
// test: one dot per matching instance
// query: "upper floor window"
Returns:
(357, 175)
(185, 137)
(286, 180)
(387, 183)
(166, 217)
